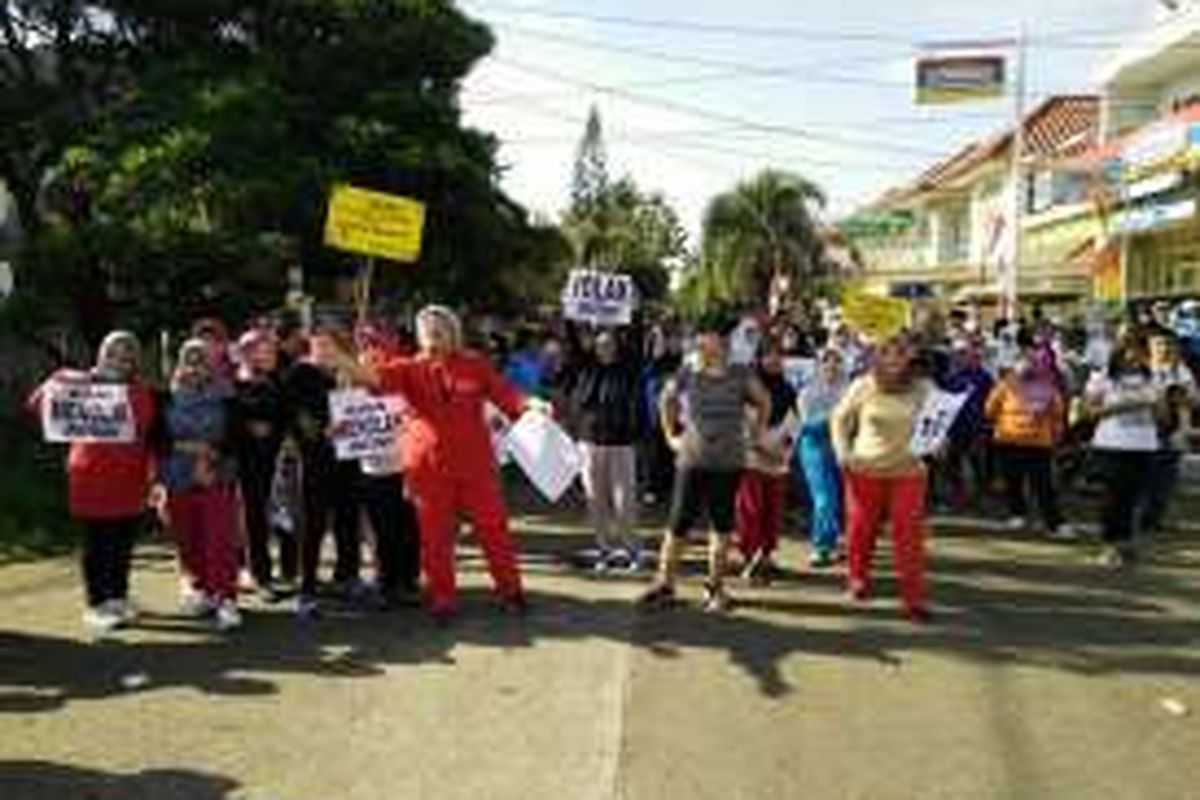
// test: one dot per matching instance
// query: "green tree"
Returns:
(589, 183)
(759, 235)
(173, 158)
(626, 230)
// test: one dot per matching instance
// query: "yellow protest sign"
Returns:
(876, 317)
(375, 224)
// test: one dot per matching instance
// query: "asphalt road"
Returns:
(1043, 677)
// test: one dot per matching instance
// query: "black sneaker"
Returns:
(658, 596)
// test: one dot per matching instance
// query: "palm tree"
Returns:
(762, 237)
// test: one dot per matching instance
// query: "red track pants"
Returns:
(867, 498)
(205, 525)
(439, 500)
(759, 512)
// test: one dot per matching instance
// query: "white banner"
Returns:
(363, 426)
(599, 298)
(87, 412)
(546, 454)
(934, 421)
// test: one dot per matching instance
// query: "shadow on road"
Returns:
(992, 610)
(40, 780)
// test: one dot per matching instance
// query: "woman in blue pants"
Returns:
(817, 459)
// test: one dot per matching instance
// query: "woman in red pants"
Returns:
(449, 463)
(872, 427)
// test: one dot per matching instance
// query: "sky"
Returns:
(696, 95)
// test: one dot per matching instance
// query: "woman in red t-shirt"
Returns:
(109, 483)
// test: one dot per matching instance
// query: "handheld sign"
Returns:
(934, 421)
(599, 298)
(875, 317)
(362, 426)
(545, 453)
(375, 224)
(87, 412)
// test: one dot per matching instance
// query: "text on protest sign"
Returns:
(363, 426)
(87, 412)
(599, 298)
(876, 317)
(375, 224)
(934, 421)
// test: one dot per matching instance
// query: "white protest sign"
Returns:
(387, 462)
(599, 298)
(87, 412)
(546, 454)
(362, 426)
(799, 371)
(743, 342)
(934, 421)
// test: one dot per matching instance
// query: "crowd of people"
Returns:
(724, 419)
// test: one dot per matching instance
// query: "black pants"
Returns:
(108, 557)
(701, 493)
(1128, 478)
(256, 464)
(394, 523)
(1031, 467)
(330, 487)
(1162, 490)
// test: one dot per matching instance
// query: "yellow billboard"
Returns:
(375, 224)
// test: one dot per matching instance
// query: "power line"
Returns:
(703, 113)
(1063, 38)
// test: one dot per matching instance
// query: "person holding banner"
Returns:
(818, 462)
(449, 462)
(109, 477)
(872, 429)
(605, 399)
(704, 417)
(391, 513)
(199, 473)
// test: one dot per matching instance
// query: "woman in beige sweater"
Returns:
(872, 427)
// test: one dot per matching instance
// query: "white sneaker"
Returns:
(1065, 532)
(125, 611)
(1015, 524)
(228, 617)
(101, 620)
(195, 604)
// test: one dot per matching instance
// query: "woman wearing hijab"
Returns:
(872, 429)
(449, 462)
(759, 503)
(260, 421)
(200, 477)
(108, 484)
(1028, 415)
(818, 461)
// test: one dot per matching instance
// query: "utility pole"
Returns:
(1010, 280)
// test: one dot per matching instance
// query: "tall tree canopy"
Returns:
(174, 158)
(614, 225)
(761, 234)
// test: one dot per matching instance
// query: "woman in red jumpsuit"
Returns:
(449, 464)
